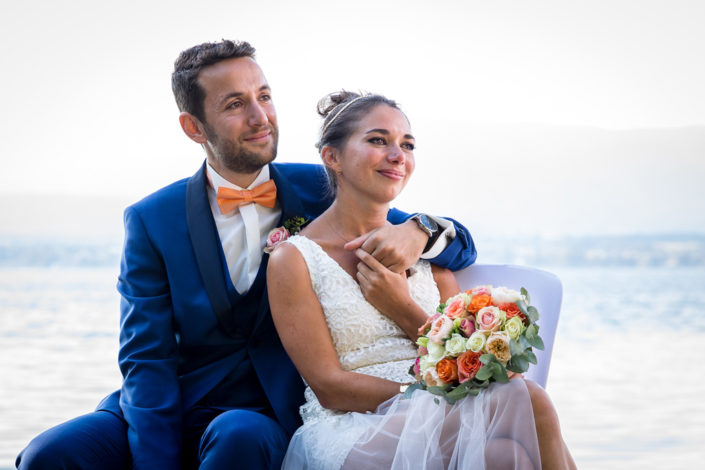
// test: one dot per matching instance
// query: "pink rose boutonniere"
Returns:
(277, 236)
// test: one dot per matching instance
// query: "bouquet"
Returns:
(474, 338)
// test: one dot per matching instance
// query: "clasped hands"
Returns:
(385, 254)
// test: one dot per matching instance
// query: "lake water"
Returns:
(626, 375)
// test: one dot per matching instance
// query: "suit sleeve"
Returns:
(460, 251)
(150, 397)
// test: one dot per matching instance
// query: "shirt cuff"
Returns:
(443, 238)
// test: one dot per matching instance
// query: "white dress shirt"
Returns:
(242, 232)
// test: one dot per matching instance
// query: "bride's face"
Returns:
(378, 158)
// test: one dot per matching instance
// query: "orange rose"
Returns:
(512, 310)
(447, 370)
(479, 301)
(468, 364)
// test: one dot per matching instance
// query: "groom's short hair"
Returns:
(184, 80)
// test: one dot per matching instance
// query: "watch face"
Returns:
(430, 224)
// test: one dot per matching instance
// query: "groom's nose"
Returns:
(257, 115)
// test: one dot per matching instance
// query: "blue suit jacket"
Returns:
(184, 328)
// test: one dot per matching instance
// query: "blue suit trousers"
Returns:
(212, 439)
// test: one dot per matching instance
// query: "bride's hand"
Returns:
(397, 247)
(388, 292)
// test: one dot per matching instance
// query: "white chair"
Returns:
(546, 292)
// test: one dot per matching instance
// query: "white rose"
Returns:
(503, 295)
(431, 378)
(476, 341)
(455, 346)
(436, 352)
(514, 327)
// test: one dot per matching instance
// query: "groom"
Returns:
(206, 382)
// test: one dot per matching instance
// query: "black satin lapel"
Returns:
(291, 207)
(205, 242)
(287, 197)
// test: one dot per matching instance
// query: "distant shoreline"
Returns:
(657, 250)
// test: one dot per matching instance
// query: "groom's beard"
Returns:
(235, 157)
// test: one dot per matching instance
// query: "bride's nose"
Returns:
(396, 154)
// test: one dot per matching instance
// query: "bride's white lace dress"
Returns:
(414, 433)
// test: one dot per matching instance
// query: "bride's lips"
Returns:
(393, 174)
(259, 137)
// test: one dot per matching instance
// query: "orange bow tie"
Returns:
(228, 199)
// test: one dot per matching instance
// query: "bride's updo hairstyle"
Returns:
(341, 112)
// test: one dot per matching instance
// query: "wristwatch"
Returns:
(427, 224)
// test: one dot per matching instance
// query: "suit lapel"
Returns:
(286, 195)
(291, 207)
(206, 243)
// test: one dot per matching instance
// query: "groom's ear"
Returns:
(331, 158)
(192, 127)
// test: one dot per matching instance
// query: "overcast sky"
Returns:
(493, 91)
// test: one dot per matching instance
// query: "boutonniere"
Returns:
(276, 236)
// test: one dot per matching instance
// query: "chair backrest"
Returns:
(546, 292)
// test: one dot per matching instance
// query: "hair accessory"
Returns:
(325, 128)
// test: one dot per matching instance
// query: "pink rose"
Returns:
(440, 328)
(427, 325)
(455, 308)
(489, 318)
(467, 326)
(417, 368)
(482, 290)
(275, 237)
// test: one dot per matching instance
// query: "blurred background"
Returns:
(568, 136)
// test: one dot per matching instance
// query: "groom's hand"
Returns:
(397, 247)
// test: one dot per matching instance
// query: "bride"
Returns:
(349, 325)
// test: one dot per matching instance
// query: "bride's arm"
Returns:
(301, 325)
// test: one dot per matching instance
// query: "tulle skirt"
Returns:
(493, 430)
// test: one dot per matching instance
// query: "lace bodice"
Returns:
(366, 340)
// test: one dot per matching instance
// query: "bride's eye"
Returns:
(377, 140)
(408, 145)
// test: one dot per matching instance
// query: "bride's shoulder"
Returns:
(286, 256)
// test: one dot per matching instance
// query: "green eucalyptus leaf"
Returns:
(531, 357)
(518, 363)
(536, 342)
(411, 388)
(531, 332)
(484, 373)
(522, 307)
(488, 358)
(524, 342)
(515, 347)
(474, 392)
(455, 395)
(532, 313)
(525, 293)
(436, 401)
(438, 390)
(500, 374)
